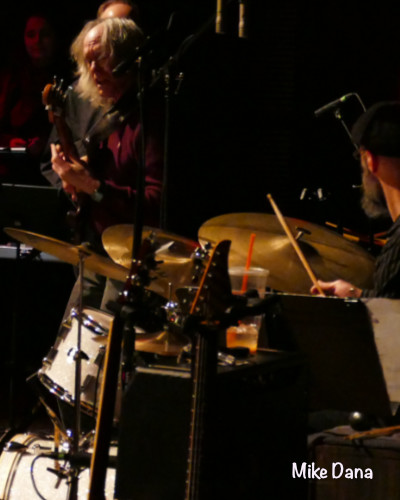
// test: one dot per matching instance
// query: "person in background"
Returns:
(23, 119)
(119, 8)
(377, 133)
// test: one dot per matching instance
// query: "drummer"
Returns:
(377, 133)
(108, 178)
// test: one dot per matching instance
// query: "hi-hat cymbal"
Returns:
(69, 253)
(174, 251)
(118, 243)
(329, 255)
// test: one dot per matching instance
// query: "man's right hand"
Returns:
(338, 288)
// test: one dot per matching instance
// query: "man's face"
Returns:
(100, 67)
(373, 200)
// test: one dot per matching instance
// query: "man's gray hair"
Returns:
(119, 39)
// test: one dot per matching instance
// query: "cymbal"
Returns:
(174, 251)
(118, 243)
(69, 253)
(164, 344)
(329, 255)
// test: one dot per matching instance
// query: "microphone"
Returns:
(219, 24)
(334, 105)
(242, 28)
(148, 46)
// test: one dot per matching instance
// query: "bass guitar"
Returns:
(212, 299)
(53, 97)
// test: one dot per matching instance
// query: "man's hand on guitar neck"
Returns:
(74, 176)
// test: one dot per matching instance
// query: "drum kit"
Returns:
(179, 259)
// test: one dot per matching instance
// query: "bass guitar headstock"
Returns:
(214, 294)
(53, 98)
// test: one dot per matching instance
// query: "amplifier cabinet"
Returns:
(256, 429)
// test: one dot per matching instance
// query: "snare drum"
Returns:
(24, 474)
(58, 369)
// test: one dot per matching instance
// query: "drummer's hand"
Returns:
(74, 176)
(338, 288)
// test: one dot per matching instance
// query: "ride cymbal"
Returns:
(329, 255)
(69, 253)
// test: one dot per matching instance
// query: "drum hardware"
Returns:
(78, 358)
(50, 357)
(171, 341)
(34, 466)
(14, 446)
(174, 255)
(185, 297)
(89, 322)
(300, 232)
(79, 353)
(56, 373)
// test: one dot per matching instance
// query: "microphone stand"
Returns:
(73, 484)
(123, 329)
(338, 115)
(138, 216)
(336, 109)
(167, 73)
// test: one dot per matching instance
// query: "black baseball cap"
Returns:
(378, 129)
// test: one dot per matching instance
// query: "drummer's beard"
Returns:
(373, 200)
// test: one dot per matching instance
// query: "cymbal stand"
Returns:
(76, 431)
(14, 343)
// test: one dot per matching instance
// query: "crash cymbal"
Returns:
(164, 344)
(329, 255)
(69, 253)
(174, 251)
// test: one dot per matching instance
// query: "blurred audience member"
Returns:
(119, 8)
(23, 119)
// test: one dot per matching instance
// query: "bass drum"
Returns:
(24, 474)
(58, 369)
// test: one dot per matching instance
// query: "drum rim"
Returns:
(90, 321)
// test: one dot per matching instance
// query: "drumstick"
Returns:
(295, 245)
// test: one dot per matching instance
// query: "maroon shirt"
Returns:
(116, 164)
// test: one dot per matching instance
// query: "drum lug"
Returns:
(51, 356)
